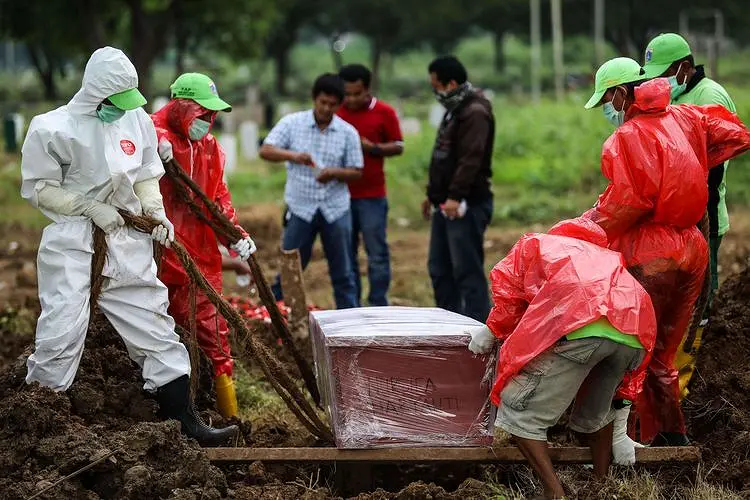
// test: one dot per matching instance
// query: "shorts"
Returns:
(587, 370)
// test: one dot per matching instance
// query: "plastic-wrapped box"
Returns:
(402, 376)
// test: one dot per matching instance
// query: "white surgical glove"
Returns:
(165, 150)
(245, 248)
(148, 193)
(482, 340)
(623, 448)
(164, 232)
(105, 216)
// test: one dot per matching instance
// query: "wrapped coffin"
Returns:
(402, 376)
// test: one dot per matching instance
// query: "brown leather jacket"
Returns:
(461, 165)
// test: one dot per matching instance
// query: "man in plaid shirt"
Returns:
(322, 153)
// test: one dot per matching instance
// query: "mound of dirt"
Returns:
(17, 332)
(718, 406)
(45, 436)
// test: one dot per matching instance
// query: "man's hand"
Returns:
(426, 209)
(623, 448)
(303, 159)
(164, 232)
(450, 208)
(245, 248)
(165, 151)
(105, 216)
(482, 340)
(367, 145)
(242, 268)
(327, 175)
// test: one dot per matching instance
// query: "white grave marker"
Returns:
(249, 140)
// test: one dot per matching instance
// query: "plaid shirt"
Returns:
(336, 146)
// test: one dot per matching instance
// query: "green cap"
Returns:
(128, 100)
(200, 89)
(613, 73)
(662, 51)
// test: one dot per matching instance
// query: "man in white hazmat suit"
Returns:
(81, 163)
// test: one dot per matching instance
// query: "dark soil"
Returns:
(45, 436)
(718, 406)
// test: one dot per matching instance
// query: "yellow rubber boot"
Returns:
(685, 362)
(226, 398)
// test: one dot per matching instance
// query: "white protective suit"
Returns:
(73, 149)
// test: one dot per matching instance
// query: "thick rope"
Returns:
(223, 227)
(97, 266)
(702, 301)
(273, 370)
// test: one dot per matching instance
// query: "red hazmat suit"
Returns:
(552, 284)
(657, 164)
(204, 162)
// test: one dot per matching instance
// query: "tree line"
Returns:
(57, 31)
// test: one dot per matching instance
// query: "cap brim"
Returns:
(128, 100)
(594, 101)
(655, 70)
(214, 104)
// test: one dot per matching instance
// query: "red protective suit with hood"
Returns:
(203, 160)
(550, 285)
(657, 164)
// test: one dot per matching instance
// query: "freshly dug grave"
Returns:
(45, 436)
(718, 406)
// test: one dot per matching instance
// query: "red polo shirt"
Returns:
(377, 123)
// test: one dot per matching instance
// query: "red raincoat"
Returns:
(204, 162)
(657, 163)
(550, 285)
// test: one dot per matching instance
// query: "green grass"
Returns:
(546, 163)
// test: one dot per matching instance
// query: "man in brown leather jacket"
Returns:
(459, 198)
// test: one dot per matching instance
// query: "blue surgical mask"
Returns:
(108, 113)
(198, 129)
(677, 88)
(615, 117)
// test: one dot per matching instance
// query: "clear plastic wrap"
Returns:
(402, 376)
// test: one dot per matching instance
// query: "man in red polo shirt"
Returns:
(380, 133)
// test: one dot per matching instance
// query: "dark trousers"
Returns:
(337, 240)
(456, 261)
(370, 220)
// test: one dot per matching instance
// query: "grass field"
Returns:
(546, 163)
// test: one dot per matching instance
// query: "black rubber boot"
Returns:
(175, 403)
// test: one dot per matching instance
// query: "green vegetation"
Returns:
(546, 163)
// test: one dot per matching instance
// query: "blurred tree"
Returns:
(50, 32)
(56, 31)
(394, 26)
(236, 28)
(284, 31)
(500, 17)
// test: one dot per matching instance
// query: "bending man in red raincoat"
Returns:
(182, 127)
(657, 163)
(573, 323)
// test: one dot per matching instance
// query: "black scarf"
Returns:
(451, 100)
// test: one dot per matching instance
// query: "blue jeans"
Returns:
(370, 218)
(456, 261)
(337, 241)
